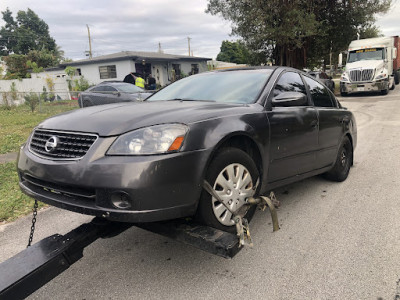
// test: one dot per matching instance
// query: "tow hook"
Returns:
(241, 223)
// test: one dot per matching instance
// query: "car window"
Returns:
(100, 88)
(236, 86)
(109, 89)
(128, 88)
(319, 94)
(289, 82)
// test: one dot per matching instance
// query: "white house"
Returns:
(165, 68)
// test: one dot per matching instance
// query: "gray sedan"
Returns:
(112, 92)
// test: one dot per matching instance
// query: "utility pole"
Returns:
(189, 44)
(90, 42)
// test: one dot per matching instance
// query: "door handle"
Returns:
(314, 124)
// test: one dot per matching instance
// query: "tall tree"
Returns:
(292, 32)
(235, 52)
(28, 32)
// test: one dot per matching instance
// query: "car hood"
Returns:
(365, 64)
(115, 119)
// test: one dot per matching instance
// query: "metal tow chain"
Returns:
(35, 207)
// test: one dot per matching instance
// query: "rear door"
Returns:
(294, 132)
(330, 122)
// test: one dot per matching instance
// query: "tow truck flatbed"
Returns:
(38, 264)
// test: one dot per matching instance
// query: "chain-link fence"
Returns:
(41, 102)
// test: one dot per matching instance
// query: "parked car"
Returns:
(324, 78)
(111, 92)
(146, 161)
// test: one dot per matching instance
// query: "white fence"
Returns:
(28, 85)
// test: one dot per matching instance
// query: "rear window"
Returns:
(128, 88)
(230, 87)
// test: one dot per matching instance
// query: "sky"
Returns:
(139, 25)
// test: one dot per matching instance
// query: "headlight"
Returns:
(151, 140)
(380, 76)
(344, 77)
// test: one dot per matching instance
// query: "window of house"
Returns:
(107, 72)
(177, 69)
(78, 71)
(195, 69)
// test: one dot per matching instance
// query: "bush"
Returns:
(32, 100)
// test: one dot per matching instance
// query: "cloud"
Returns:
(130, 25)
(140, 25)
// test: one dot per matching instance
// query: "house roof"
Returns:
(134, 55)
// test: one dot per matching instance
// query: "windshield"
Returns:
(128, 88)
(231, 86)
(366, 54)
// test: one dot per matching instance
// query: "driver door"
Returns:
(293, 132)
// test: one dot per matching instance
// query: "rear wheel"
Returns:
(232, 174)
(396, 77)
(344, 160)
(87, 103)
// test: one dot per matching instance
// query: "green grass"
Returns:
(13, 203)
(17, 122)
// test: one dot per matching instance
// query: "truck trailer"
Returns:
(372, 65)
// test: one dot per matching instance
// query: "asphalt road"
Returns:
(337, 240)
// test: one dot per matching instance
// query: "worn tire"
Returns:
(393, 86)
(224, 159)
(87, 103)
(396, 77)
(343, 162)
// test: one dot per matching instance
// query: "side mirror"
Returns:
(116, 93)
(287, 99)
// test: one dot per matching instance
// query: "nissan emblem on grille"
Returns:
(51, 144)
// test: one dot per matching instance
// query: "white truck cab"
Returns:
(372, 65)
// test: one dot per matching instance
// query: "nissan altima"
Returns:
(146, 161)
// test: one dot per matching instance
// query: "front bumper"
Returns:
(159, 187)
(360, 87)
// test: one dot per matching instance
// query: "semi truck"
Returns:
(372, 65)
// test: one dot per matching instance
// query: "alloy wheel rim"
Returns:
(343, 157)
(234, 186)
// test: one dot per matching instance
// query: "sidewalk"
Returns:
(9, 157)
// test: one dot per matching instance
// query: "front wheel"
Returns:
(232, 174)
(343, 162)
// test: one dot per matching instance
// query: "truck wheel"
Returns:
(393, 86)
(385, 92)
(343, 94)
(232, 173)
(396, 77)
(344, 160)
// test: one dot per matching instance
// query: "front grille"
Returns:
(361, 75)
(60, 189)
(60, 145)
